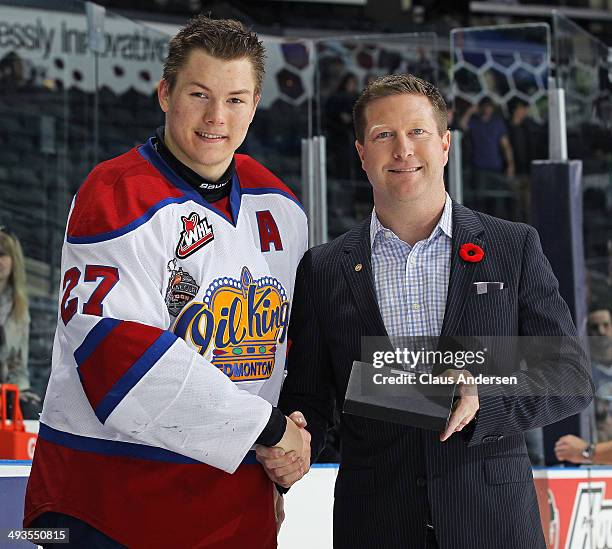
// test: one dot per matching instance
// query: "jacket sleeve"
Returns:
(141, 380)
(556, 382)
(308, 386)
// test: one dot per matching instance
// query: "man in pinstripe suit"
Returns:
(400, 273)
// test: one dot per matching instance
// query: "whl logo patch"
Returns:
(196, 234)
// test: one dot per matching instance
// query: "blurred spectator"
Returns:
(600, 332)
(600, 343)
(451, 115)
(598, 278)
(339, 122)
(422, 66)
(598, 133)
(576, 450)
(524, 136)
(15, 323)
(572, 448)
(491, 149)
(490, 186)
(525, 139)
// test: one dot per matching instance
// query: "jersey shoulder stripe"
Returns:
(123, 193)
(118, 196)
(257, 179)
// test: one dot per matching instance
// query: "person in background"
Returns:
(15, 323)
(600, 339)
(491, 149)
(491, 157)
(526, 138)
(523, 134)
(339, 124)
(575, 449)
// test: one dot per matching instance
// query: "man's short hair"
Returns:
(221, 38)
(398, 84)
(600, 306)
(515, 103)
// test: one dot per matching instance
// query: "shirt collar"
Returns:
(445, 223)
(211, 191)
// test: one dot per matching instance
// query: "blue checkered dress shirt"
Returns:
(411, 282)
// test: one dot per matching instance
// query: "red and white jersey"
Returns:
(171, 337)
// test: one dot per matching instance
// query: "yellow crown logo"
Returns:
(243, 320)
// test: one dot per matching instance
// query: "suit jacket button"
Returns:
(421, 482)
(487, 440)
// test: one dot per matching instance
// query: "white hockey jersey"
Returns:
(170, 345)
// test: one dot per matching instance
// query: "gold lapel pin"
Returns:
(358, 267)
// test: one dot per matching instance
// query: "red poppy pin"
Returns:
(471, 252)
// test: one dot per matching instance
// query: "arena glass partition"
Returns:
(584, 71)
(67, 102)
(283, 117)
(122, 109)
(499, 86)
(342, 68)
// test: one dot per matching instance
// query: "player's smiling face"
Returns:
(403, 152)
(208, 111)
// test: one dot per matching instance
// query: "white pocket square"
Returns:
(486, 287)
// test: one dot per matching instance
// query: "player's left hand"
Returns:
(465, 407)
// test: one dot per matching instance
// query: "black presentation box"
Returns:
(418, 404)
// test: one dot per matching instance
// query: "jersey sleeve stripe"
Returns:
(130, 226)
(119, 448)
(93, 339)
(113, 356)
(125, 383)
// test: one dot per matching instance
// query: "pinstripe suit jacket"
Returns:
(476, 488)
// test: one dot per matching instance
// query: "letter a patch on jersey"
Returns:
(268, 231)
(195, 234)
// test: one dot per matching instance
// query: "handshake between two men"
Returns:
(289, 460)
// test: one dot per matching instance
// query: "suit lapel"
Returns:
(357, 251)
(466, 228)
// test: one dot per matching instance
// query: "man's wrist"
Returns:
(589, 452)
(274, 430)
